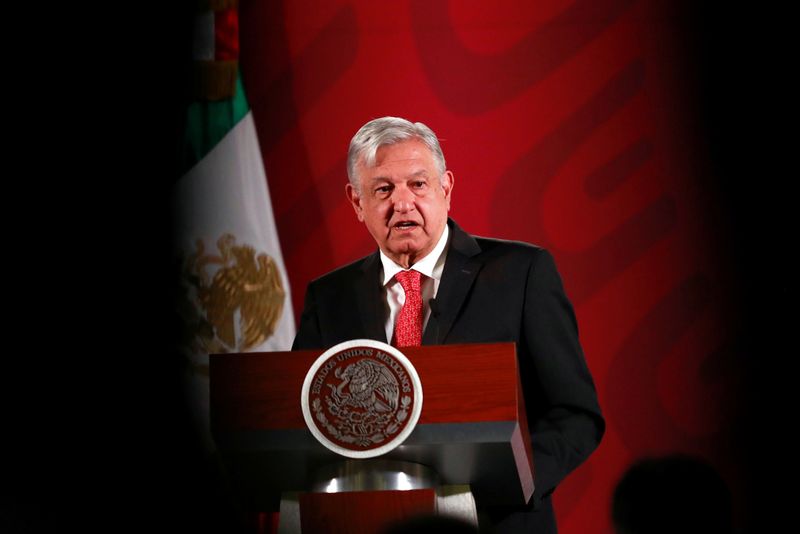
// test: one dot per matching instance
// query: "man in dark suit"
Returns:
(473, 290)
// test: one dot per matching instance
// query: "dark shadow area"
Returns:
(430, 524)
(739, 60)
(672, 494)
(96, 435)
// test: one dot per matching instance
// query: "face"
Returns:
(402, 202)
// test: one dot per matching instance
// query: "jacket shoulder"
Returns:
(344, 273)
(493, 247)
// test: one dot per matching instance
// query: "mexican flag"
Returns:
(234, 292)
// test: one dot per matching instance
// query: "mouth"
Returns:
(405, 225)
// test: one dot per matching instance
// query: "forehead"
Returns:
(410, 157)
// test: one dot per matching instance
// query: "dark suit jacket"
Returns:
(491, 290)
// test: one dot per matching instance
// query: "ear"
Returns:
(448, 181)
(355, 200)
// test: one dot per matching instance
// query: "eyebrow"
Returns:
(417, 174)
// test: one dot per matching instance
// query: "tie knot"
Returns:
(410, 280)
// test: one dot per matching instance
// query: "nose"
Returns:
(402, 200)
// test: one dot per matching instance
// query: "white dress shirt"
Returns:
(431, 266)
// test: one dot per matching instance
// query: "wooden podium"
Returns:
(472, 430)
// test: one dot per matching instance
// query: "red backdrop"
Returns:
(569, 124)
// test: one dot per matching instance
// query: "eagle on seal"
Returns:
(370, 386)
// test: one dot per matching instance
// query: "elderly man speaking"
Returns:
(431, 283)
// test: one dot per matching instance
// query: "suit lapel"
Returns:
(368, 295)
(460, 270)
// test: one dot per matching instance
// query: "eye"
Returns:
(419, 184)
(383, 190)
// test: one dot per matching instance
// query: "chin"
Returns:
(404, 251)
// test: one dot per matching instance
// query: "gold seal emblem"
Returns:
(235, 308)
(361, 398)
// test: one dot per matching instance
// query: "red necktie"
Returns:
(408, 329)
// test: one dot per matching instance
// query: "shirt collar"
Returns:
(431, 265)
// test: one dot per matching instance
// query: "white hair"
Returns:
(388, 131)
